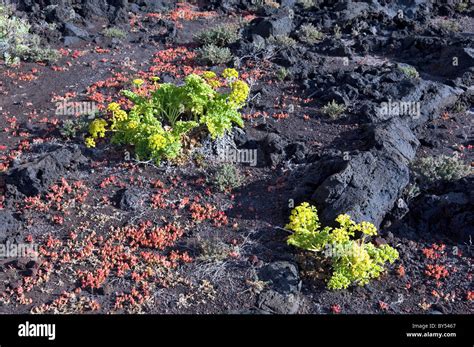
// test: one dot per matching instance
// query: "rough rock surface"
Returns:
(279, 25)
(9, 225)
(367, 184)
(446, 210)
(75, 17)
(129, 199)
(35, 176)
(284, 286)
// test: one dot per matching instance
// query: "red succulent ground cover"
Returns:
(184, 12)
(141, 254)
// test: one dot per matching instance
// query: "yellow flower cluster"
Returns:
(239, 93)
(340, 235)
(354, 261)
(367, 228)
(356, 265)
(230, 73)
(97, 128)
(345, 231)
(90, 142)
(138, 82)
(348, 228)
(303, 217)
(118, 114)
(360, 260)
(157, 142)
(214, 83)
(133, 124)
(113, 106)
(239, 89)
(209, 75)
(211, 79)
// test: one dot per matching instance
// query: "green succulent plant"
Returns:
(156, 123)
(353, 260)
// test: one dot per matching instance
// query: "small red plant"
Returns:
(383, 305)
(336, 309)
(436, 271)
(208, 212)
(470, 295)
(434, 252)
(401, 271)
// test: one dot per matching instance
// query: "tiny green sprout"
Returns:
(333, 109)
(409, 71)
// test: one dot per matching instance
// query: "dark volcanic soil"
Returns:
(226, 252)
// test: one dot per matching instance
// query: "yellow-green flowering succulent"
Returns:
(230, 74)
(211, 79)
(303, 217)
(138, 82)
(157, 142)
(156, 123)
(113, 106)
(353, 260)
(209, 75)
(89, 141)
(97, 128)
(118, 115)
(239, 93)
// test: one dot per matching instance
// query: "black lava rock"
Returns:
(34, 177)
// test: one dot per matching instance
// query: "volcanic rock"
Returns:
(35, 176)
